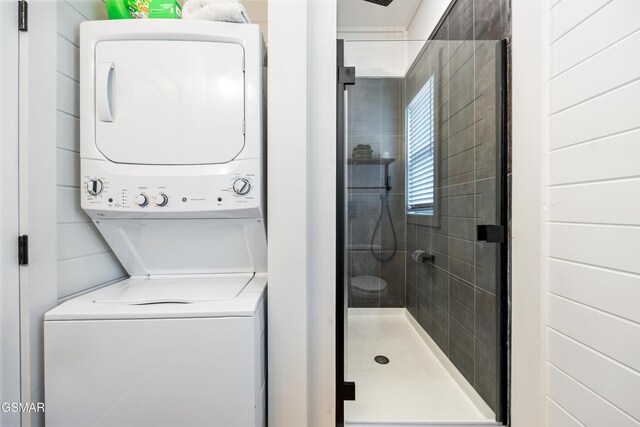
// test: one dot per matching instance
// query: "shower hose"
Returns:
(384, 202)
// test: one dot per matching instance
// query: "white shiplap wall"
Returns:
(84, 258)
(593, 214)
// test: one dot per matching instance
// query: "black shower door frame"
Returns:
(344, 391)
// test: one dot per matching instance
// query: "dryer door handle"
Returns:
(104, 91)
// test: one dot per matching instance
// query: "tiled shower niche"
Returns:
(376, 118)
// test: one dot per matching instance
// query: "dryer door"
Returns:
(169, 102)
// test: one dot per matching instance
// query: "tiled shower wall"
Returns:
(454, 300)
(375, 117)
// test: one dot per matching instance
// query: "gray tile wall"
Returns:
(454, 300)
(375, 117)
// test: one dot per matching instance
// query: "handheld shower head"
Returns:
(384, 3)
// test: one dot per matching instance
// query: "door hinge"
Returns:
(23, 250)
(347, 75)
(23, 15)
(491, 233)
(349, 390)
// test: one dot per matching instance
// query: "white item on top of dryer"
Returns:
(172, 150)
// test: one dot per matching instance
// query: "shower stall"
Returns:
(421, 232)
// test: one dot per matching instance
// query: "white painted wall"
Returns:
(422, 25)
(390, 51)
(84, 258)
(9, 272)
(322, 205)
(528, 145)
(257, 10)
(375, 52)
(288, 213)
(581, 192)
(301, 150)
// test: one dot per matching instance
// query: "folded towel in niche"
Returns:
(215, 10)
(362, 151)
(362, 154)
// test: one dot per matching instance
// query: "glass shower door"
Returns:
(423, 267)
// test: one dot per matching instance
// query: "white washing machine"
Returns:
(172, 169)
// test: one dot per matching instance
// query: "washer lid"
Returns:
(368, 283)
(143, 290)
(215, 296)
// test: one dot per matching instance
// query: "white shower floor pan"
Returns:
(419, 387)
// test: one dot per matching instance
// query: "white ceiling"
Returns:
(359, 13)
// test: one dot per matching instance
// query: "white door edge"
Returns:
(23, 163)
(9, 270)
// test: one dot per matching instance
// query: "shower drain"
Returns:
(383, 360)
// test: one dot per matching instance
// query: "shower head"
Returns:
(384, 3)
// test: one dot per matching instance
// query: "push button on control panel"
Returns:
(94, 187)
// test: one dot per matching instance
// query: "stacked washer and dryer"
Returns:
(173, 176)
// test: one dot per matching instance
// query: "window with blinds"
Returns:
(420, 150)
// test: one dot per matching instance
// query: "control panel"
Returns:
(220, 188)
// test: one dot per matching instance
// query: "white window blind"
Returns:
(420, 150)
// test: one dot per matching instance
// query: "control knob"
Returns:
(241, 186)
(94, 187)
(142, 200)
(161, 199)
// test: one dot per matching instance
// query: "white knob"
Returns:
(161, 199)
(94, 187)
(241, 186)
(142, 200)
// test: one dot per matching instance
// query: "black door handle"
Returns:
(490, 233)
